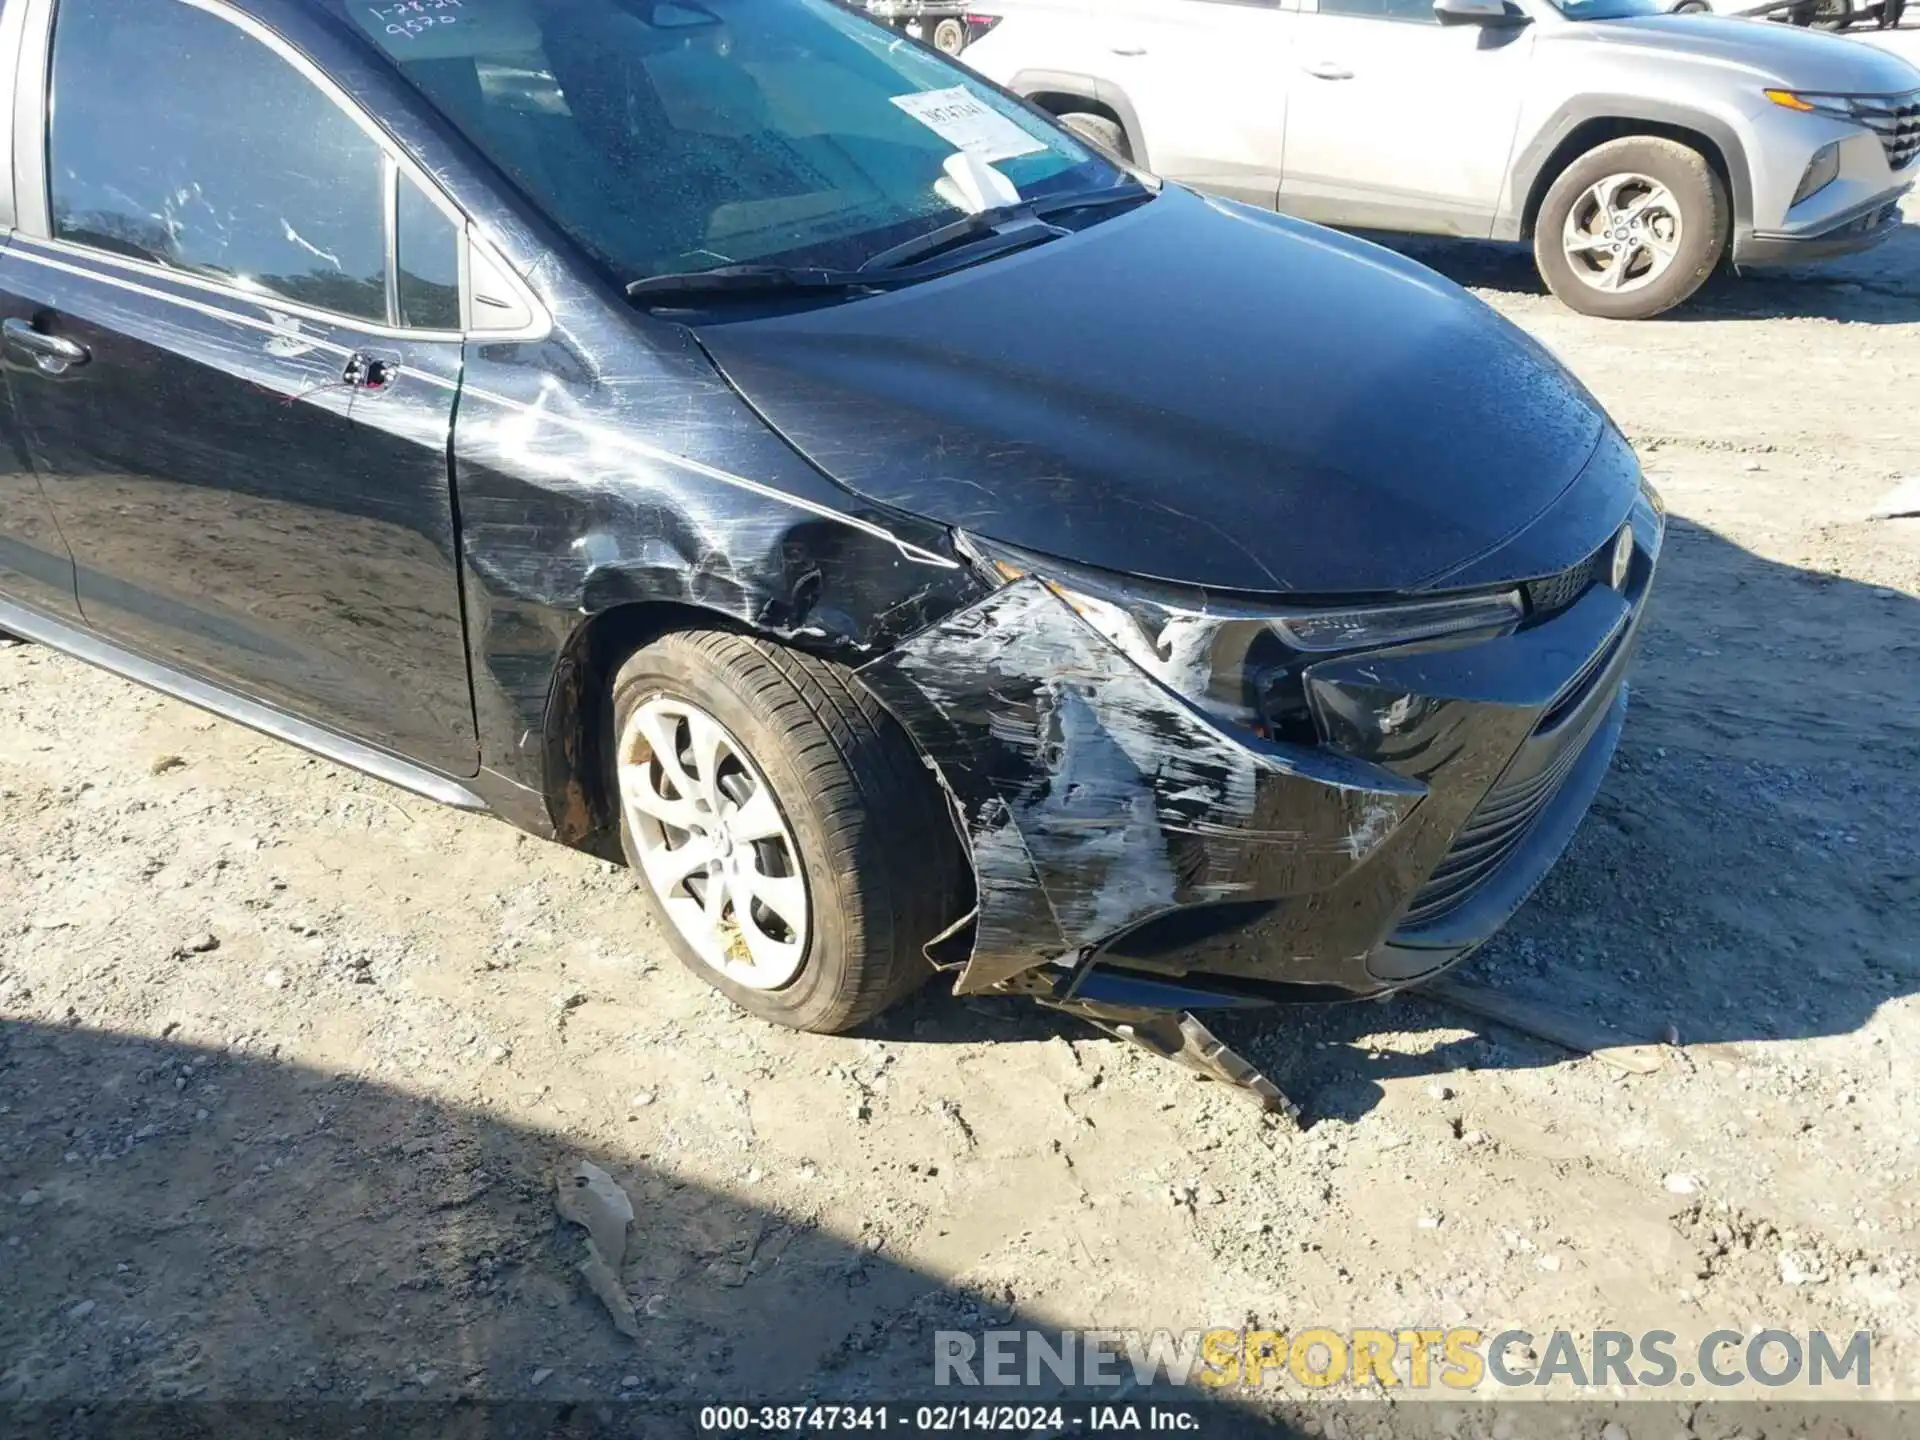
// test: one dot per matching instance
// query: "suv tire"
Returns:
(1100, 132)
(850, 812)
(1659, 190)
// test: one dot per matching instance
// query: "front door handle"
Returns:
(50, 354)
(1128, 50)
(1327, 70)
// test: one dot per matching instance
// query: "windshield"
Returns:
(1609, 9)
(668, 136)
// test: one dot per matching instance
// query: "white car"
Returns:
(1817, 14)
(1637, 150)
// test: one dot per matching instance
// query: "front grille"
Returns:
(1488, 839)
(1555, 593)
(1506, 813)
(1896, 120)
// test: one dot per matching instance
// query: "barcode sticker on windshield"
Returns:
(965, 122)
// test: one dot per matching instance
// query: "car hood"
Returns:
(1195, 392)
(1799, 59)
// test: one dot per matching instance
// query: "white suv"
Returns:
(1635, 149)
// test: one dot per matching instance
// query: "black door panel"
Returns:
(35, 567)
(239, 509)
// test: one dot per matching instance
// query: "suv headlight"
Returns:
(1836, 107)
(1240, 661)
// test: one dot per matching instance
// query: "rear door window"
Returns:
(427, 257)
(179, 139)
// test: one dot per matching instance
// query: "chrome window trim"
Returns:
(32, 206)
(30, 211)
(13, 28)
(390, 221)
(256, 299)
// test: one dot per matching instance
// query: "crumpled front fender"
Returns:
(1092, 798)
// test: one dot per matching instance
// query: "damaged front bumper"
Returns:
(1134, 853)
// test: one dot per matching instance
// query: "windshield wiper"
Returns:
(1020, 224)
(751, 279)
(1013, 226)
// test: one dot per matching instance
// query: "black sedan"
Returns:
(723, 436)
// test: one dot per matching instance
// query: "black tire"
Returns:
(1691, 7)
(950, 36)
(882, 864)
(1100, 132)
(1705, 215)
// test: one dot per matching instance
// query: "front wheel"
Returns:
(1631, 228)
(797, 852)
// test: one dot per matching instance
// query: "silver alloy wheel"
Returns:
(713, 843)
(1622, 234)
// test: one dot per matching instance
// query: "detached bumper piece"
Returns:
(1181, 1038)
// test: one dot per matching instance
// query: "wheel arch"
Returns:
(1059, 91)
(1578, 129)
(577, 757)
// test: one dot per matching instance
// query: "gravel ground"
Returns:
(288, 1058)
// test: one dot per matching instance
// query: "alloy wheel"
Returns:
(713, 843)
(1623, 233)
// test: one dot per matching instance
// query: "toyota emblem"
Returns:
(1622, 558)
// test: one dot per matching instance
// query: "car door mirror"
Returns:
(1492, 13)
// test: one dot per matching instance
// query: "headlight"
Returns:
(1837, 107)
(1376, 627)
(1241, 661)
(1822, 171)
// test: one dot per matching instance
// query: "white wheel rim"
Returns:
(1622, 234)
(713, 843)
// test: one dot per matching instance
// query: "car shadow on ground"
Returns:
(1877, 287)
(213, 1227)
(1742, 876)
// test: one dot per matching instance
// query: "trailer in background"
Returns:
(947, 26)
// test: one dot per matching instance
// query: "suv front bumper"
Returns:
(1855, 210)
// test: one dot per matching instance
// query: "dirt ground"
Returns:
(287, 1057)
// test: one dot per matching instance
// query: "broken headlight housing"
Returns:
(1239, 660)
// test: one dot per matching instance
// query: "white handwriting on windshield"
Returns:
(408, 18)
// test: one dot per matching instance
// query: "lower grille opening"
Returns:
(1501, 821)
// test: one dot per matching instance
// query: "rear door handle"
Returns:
(50, 354)
(1129, 50)
(1327, 70)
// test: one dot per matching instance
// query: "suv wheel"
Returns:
(797, 851)
(1631, 228)
(1100, 132)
